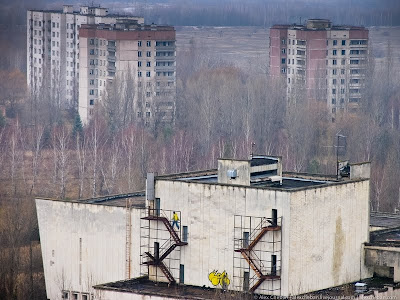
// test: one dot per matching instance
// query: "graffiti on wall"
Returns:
(221, 279)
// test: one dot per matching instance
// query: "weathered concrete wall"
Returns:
(328, 227)
(323, 230)
(376, 257)
(361, 170)
(208, 211)
(84, 244)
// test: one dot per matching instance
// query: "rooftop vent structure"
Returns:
(254, 169)
(232, 174)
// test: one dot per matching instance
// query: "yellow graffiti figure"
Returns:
(219, 278)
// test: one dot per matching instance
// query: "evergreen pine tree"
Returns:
(78, 127)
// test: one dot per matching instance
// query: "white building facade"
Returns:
(53, 48)
(84, 243)
(246, 227)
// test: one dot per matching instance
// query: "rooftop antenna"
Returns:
(337, 146)
(339, 136)
(252, 149)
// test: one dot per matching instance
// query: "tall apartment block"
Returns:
(53, 48)
(141, 55)
(329, 62)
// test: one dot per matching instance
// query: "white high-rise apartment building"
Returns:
(329, 61)
(140, 60)
(53, 48)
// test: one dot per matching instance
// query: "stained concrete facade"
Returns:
(316, 228)
(84, 245)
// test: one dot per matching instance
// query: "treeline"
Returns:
(222, 111)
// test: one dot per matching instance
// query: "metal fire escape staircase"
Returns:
(266, 225)
(169, 245)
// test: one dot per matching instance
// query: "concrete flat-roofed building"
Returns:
(324, 61)
(141, 57)
(84, 242)
(246, 227)
(53, 48)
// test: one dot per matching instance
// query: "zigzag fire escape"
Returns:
(245, 245)
(169, 245)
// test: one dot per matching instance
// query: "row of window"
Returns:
(352, 52)
(39, 23)
(352, 42)
(140, 114)
(71, 55)
(158, 84)
(36, 23)
(102, 52)
(342, 71)
(36, 69)
(71, 45)
(164, 63)
(334, 42)
(350, 109)
(342, 91)
(97, 82)
(95, 62)
(165, 44)
(334, 72)
(37, 32)
(101, 42)
(66, 295)
(165, 53)
(298, 61)
(97, 71)
(148, 64)
(148, 73)
(148, 53)
(148, 43)
(38, 50)
(71, 26)
(334, 100)
(112, 43)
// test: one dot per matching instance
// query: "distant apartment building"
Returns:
(325, 61)
(53, 48)
(142, 55)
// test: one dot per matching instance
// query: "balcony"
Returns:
(165, 58)
(165, 68)
(165, 48)
(111, 47)
(111, 58)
